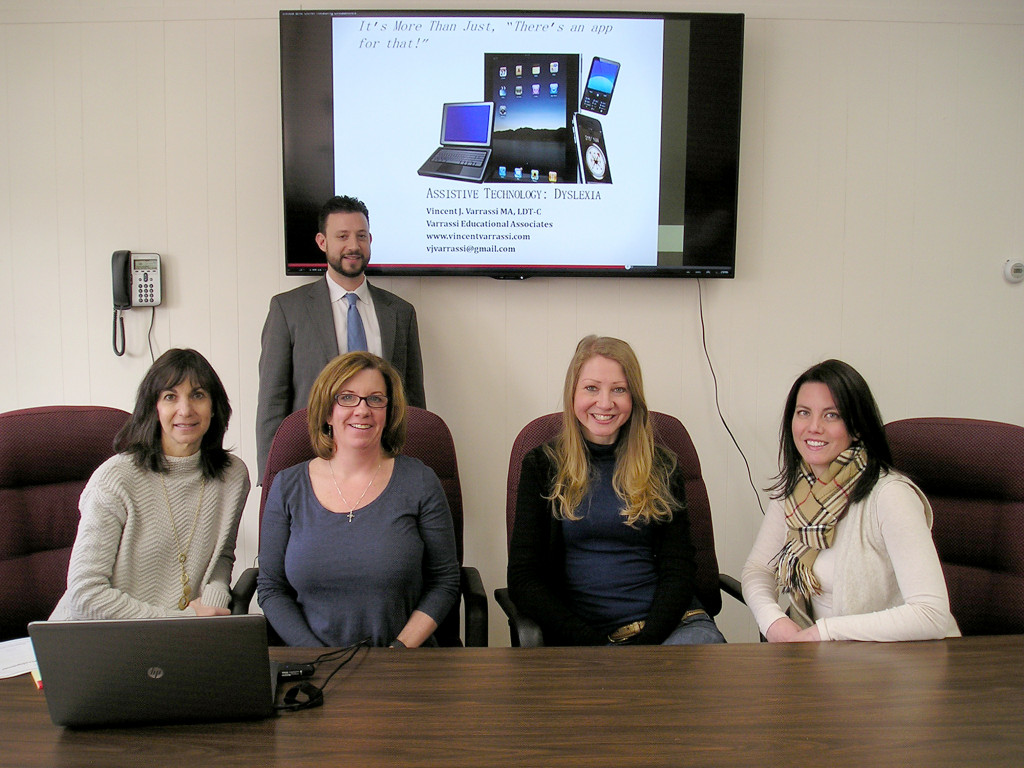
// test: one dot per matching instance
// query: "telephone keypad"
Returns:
(147, 289)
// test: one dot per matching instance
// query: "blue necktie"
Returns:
(356, 334)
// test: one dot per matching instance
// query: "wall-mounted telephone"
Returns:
(136, 283)
(136, 279)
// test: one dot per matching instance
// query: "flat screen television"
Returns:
(514, 144)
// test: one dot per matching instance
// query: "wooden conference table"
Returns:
(950, 703)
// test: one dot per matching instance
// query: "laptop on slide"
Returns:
(466, 130)
(155, 670)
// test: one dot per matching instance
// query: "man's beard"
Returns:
(344, 268)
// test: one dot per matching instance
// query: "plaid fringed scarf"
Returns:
(812, 511)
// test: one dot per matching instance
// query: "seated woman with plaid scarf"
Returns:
(846, 537)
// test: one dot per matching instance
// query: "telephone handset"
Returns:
(135, 279)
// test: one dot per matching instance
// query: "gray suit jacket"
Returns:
(299, 340)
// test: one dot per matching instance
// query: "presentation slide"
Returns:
(502, 141)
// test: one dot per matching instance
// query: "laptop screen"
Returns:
(468, 124)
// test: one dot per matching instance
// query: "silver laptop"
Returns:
(154, 670)
(466, 131)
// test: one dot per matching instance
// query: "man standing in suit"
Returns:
(309, 326)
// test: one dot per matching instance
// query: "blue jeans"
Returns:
(695, 630)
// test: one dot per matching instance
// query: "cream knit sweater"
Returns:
(124, 563)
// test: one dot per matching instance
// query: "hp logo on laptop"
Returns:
(155, 672)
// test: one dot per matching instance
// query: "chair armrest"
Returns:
(731, 587)
(524, 632)
(475, 598)
(243, 591)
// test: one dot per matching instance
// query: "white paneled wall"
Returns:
(881, 190)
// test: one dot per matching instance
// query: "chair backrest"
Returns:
(972, 472)
(427, 439)
(669, 433)
(290, 446)
(47, 455)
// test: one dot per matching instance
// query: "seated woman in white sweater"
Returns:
(846, 537)
(159, 519)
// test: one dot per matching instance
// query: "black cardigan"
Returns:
(536, 563)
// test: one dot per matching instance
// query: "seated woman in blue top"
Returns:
(358, 542)
(600, 551)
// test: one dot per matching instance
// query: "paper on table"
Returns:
(17, 657)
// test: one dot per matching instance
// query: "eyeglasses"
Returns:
(349, 400)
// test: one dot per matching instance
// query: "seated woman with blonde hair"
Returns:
(846, 537)
(358, 542)
(600, 551)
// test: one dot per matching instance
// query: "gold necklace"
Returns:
(186, 590)
(352, 507)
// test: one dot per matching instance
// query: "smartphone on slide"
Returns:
(590, 150)
(597, 96)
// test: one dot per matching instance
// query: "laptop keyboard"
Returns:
(473, 157)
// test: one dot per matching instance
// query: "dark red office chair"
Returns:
(670, 433)
(427, 439)
(973, 474)
(47, 455)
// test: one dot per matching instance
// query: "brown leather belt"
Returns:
(631, 630)
(627, 632)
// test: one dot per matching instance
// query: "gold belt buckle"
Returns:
(625, 633)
